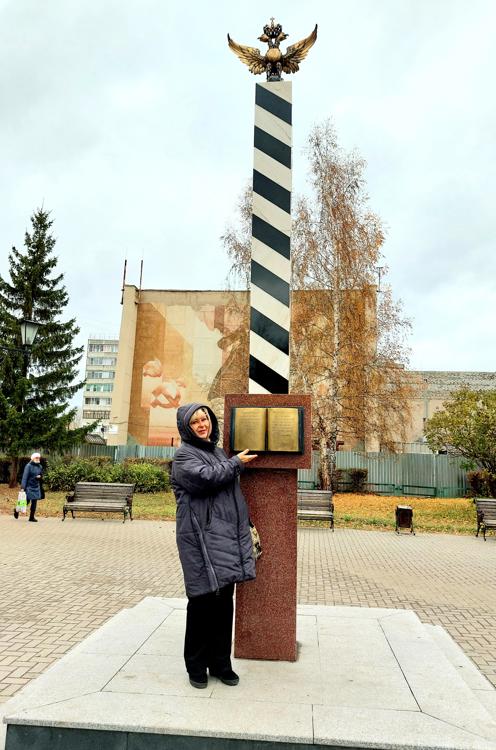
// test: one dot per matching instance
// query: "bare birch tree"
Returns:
(348, 338)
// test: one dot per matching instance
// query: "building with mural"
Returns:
(175, 347)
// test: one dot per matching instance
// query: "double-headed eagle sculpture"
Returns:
(274, 62)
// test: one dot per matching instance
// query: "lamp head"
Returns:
(29, 329)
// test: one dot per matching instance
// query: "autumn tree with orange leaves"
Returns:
(347, 336)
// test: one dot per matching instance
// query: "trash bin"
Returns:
(404, 518)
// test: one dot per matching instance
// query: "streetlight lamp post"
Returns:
(28, 330)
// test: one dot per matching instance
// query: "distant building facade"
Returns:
(101, 364)
(436, 388)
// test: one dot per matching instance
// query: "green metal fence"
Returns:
(120, 452)
(398, 474)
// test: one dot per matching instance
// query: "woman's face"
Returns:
(201, 425)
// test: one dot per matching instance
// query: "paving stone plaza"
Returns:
(60, 582)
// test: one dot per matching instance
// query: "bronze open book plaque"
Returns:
(272, 429)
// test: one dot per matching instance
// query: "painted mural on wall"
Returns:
(194, 351)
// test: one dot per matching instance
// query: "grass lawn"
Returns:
(153, 507)
(440, 515)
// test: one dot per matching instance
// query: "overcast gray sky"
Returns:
(133, 122)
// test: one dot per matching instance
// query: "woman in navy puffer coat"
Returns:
(31, 484)
(213, 539)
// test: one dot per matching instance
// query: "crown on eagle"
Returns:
(272, 31)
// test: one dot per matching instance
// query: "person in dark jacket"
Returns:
(31, 484)
(214, 541)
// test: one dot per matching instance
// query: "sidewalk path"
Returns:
(60, 581)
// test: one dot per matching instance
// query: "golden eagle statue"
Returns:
(274, 62)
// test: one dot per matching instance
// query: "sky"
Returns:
(132, 122)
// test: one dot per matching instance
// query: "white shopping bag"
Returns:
(21, 502)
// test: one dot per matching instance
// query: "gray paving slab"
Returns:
(488, 700)
(464, 666)
(434, 681)
(349, 613)
(367, 686)
(390, 730)
(126, 631)
(177, 715)
(150, 674)
(414, 698)
(74, 675)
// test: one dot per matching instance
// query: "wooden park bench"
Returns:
(100, 497)
(316, 505)
(486, 515)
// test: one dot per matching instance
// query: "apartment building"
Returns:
(101, 361)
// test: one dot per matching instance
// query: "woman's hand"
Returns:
(245, 458)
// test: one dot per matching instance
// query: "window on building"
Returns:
(98, 401)
(105, 387)
(110, 348)
(96, 414)
(102, 361)
(95, 348)
(100, 374)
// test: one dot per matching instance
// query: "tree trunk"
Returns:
(325, 464)
(14, 467)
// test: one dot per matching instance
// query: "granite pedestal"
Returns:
(365, 678)
(265, 626)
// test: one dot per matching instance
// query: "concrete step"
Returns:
(483, 689)
(364, 678)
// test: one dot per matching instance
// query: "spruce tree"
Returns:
(35, 390)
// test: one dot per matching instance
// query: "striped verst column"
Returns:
(271, 240)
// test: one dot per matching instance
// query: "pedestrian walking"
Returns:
(32, 485)
(214, 542)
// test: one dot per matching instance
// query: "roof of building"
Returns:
(95, 439)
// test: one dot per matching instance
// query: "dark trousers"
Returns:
(209, 620)
(32, 508)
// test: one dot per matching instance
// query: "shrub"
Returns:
(100, 460)
(146, 477)
(164, 463)
(481, 483)
(337, 477)
(358, 477)
(63, 476)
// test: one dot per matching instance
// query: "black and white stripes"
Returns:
(271, 232)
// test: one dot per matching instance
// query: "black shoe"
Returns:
(34, 520)
(199, 681)
(228, 677)
(16, 514)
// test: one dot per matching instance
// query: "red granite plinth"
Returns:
(265, 625)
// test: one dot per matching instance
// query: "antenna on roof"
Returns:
(123, 281)
(141, 279)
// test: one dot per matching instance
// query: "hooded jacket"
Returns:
(212, 524)
(30, 482)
